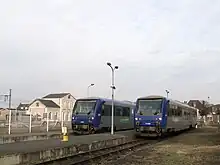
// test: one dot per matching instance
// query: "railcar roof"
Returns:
(172, 101)
(182, 104)
(152, 96)
(108, 100)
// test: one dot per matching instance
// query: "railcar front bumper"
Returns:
(83, 128)
(146, 131)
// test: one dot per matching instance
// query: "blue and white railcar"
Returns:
(91, 115)
(157, 115)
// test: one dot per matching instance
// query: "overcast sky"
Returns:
(63, 46)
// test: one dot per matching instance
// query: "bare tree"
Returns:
(205, 109)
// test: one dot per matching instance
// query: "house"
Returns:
(22, 108)
(212, 110)
(4, 114)
(58, 106)
(216, 112)
(196, 103)
(199, 104)
(40, 107)
(65, 101)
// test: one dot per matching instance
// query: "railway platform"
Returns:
(13, 138)
(40, 151)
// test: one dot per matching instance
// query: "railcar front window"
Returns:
(84, 107)
(149, 107)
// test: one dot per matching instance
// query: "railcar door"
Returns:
(105, 121)
(122, 116)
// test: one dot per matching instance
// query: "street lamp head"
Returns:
(116, 67)
(109, 64)
(113, 87)
(92, 84)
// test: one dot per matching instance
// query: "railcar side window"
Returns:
(173, 112)
(179, 111)
(126, 111)
(185, 115)
(168, 109)
(107, 111)
(118, 111)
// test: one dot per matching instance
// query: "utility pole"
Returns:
(9, 103)
(7, 97)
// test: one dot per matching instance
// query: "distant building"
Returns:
(58, 105)
(213, 110)
(4, 114)
(199, 104)
(23, 108)
(66, 102)
(215, 113)
(40, 107)
(196, 103)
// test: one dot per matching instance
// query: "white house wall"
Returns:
(66, 105)
(34, 109)
(53, 113)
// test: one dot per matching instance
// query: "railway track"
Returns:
(95, 155)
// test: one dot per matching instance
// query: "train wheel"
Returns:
(92, 131)
(160, 133)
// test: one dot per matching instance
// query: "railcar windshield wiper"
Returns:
(156, 113)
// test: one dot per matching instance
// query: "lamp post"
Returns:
(88, 89)
(113, 88)
(167, 93)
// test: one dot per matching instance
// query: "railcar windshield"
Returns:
(84, 107)
(150, 107)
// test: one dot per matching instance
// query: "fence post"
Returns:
(47, 122)
(62, 124)
(30, 122)
(9, 123)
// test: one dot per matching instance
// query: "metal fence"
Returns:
(18, 123)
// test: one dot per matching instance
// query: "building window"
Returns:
(69, 96)
(37, 104)
(64, 104)
(55, 116)
(50, 116)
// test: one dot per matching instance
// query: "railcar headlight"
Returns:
(91, 118)
(160, 118)
(136, 118)
(73, 118)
